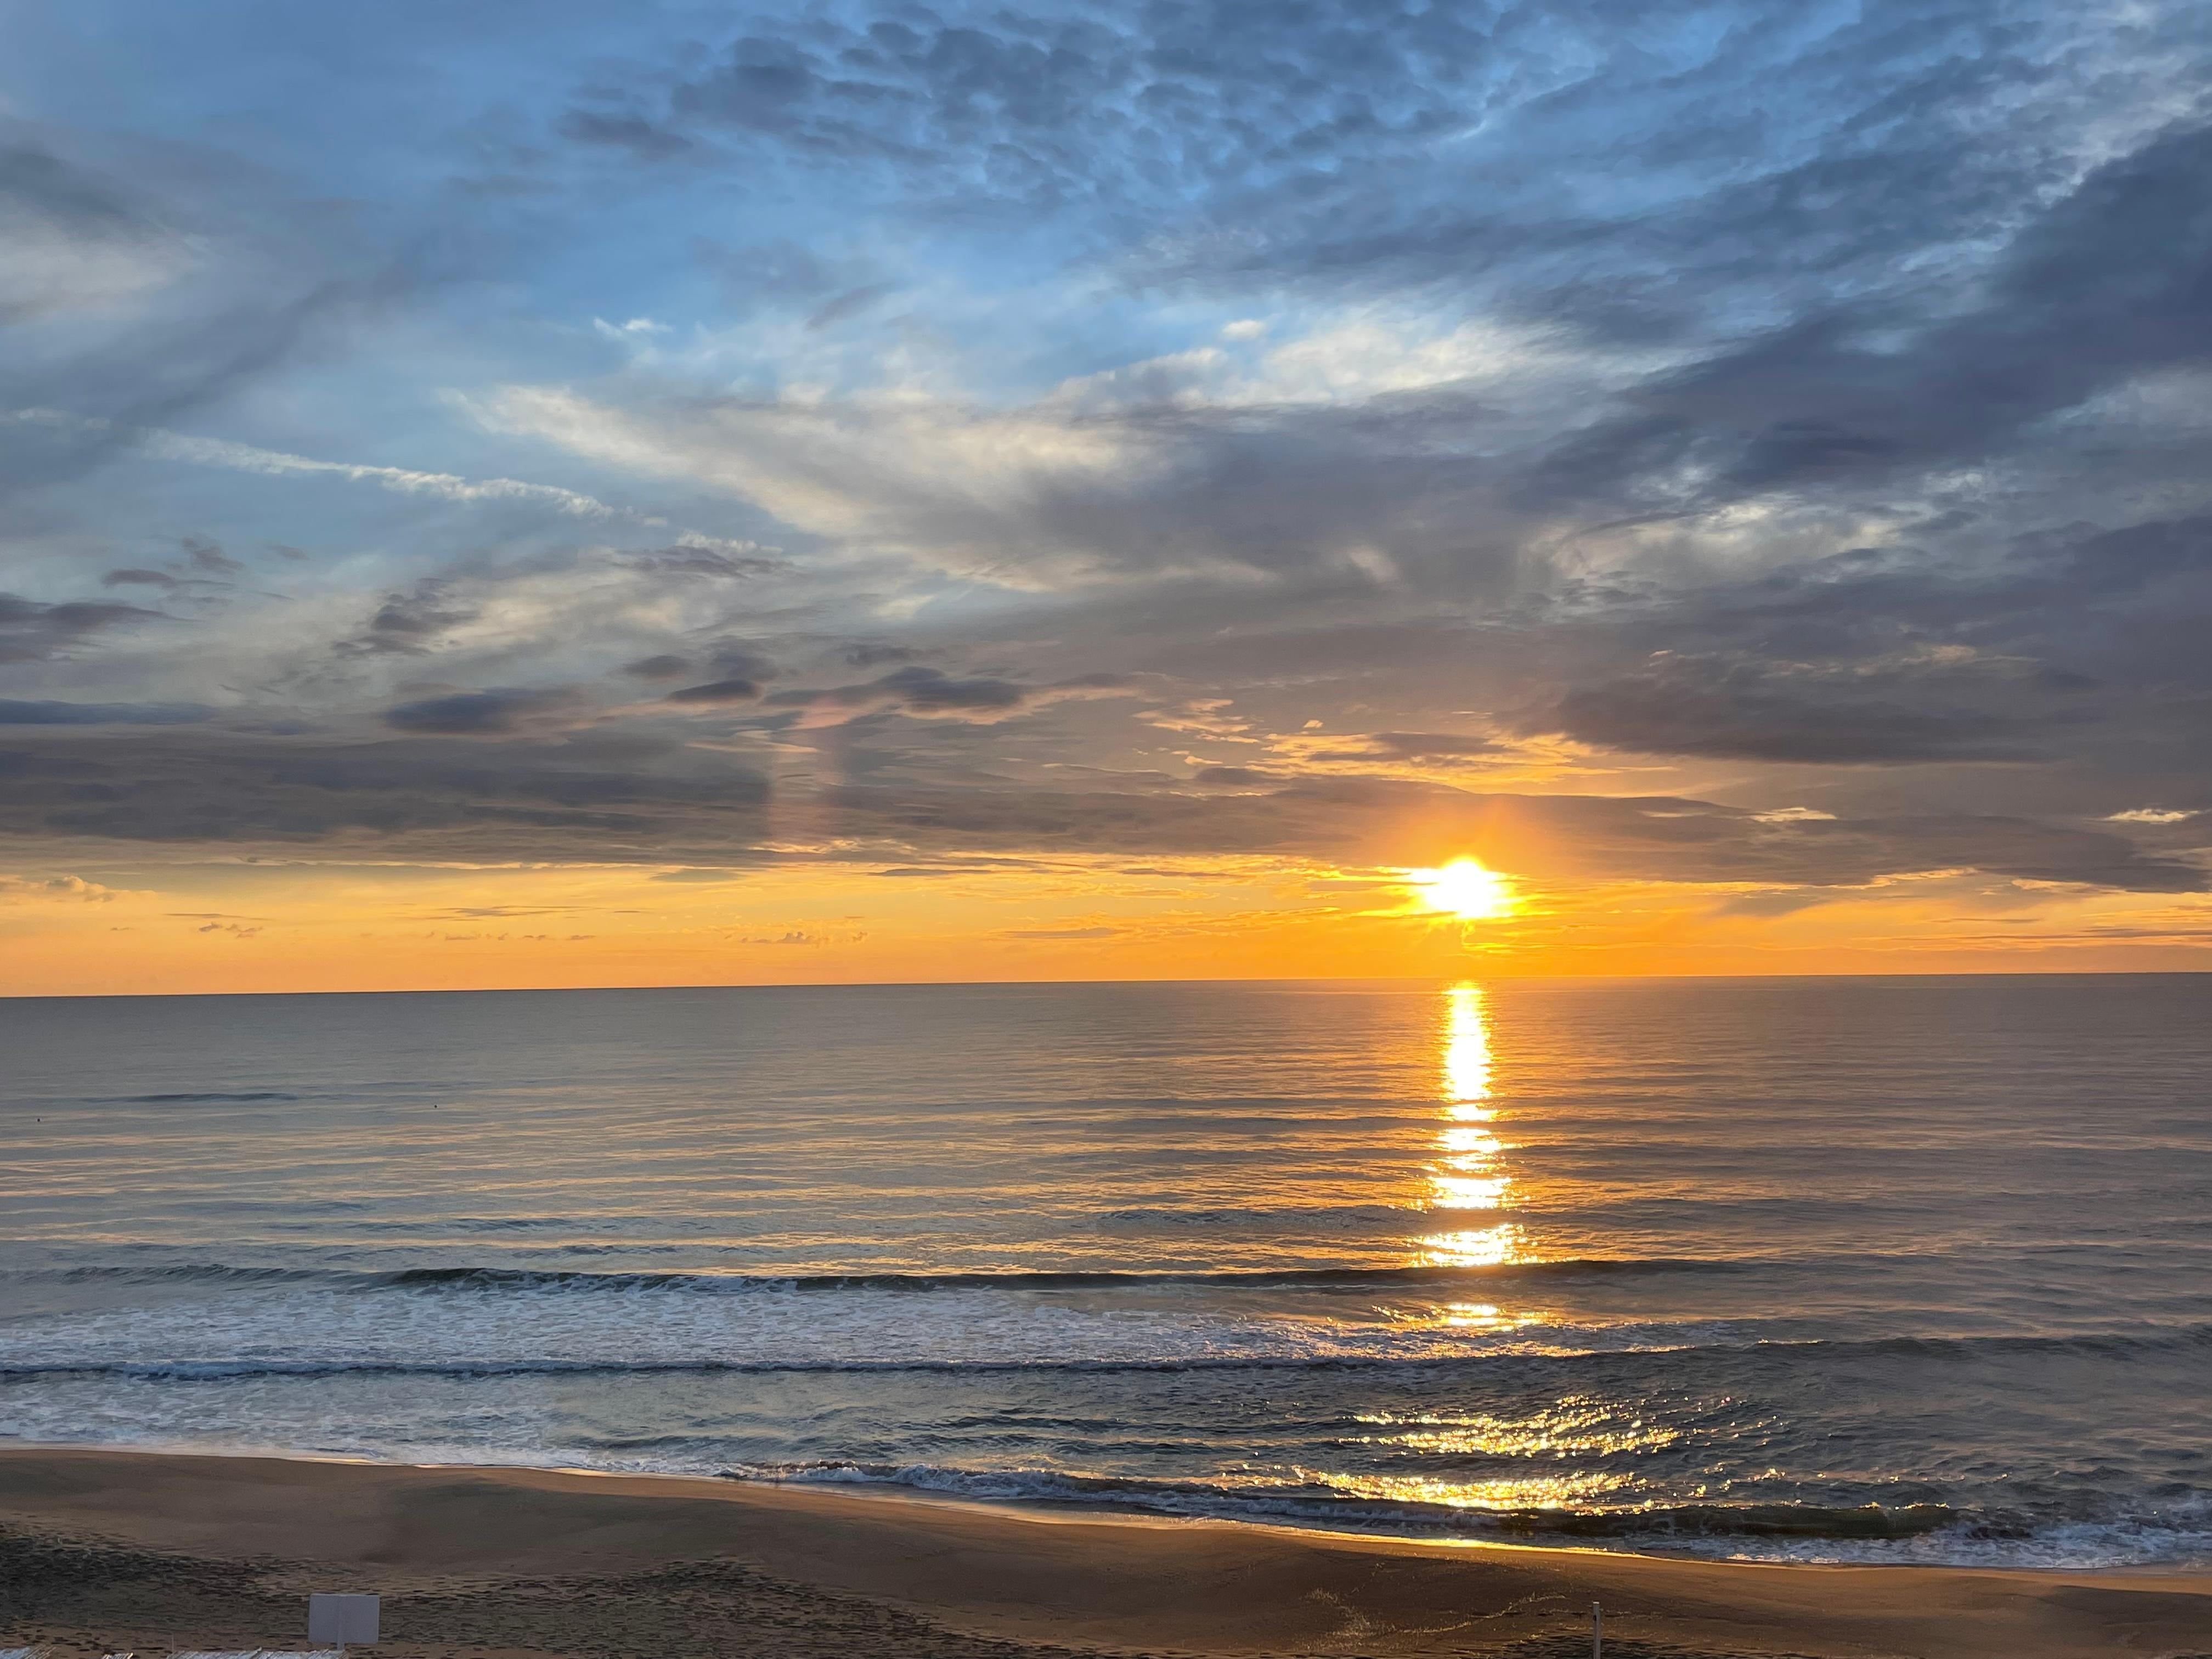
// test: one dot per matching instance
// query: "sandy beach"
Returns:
(104, 1551)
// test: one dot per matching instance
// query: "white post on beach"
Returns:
(1597, 1630)
(342, 1620)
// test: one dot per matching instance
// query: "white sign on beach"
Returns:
(342, 1619)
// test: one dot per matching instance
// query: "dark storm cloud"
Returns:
(2019, 847)
(716, 693)
(931, 692)
(2114, 279)
(495, 712)
(738, 659)
(45, 712)
(875, 653)
(1795, 713)
(2072, 647)
(649, 802)
(1665, 839)
(205, 554)
(430, 797)
(925, 690)
(30, 630)
(205, 562)
(410, 622)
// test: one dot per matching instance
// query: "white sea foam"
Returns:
(501, 1326)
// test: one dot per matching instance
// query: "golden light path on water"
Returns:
(1469, 1173)
(1469, 1176)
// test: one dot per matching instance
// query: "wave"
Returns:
(1806, 1532)
(218, 1097)
(1060, 1279)
(2173, 1339)
(708, 1282)
(196, 1371)
(1315, 1499)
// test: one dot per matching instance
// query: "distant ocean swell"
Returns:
(1554, 1347)
(583, 1280)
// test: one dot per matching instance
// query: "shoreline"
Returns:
(109, 1549)
(1047, 1509)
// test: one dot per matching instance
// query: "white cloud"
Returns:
(50, 267)
(899, 470)
(1060, 490)
(1365, 354)
(55, 887)
(246, 457)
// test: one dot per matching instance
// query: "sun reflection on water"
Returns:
(1466, 1175)
(1573, 1453)
(1519, 1492)
(1479, 1247)
(1577, 1425)
(1546, 1441)
(1466, 1053)
(1463, 1192)
(1479, 1318)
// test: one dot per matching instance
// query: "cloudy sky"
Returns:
(676, 493)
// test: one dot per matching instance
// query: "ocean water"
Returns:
(1911, 1270)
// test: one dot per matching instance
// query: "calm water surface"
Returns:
(1846, 1269)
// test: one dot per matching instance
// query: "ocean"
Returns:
(1817, 1269)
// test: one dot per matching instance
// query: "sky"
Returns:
(678, 494)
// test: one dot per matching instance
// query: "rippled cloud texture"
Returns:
(669, 493)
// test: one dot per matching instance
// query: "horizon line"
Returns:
(1006, 984)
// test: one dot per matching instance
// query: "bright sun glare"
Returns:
(1464, 888)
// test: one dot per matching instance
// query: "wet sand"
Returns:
(102, 1552)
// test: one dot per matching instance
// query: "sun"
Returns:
(1464, 888)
